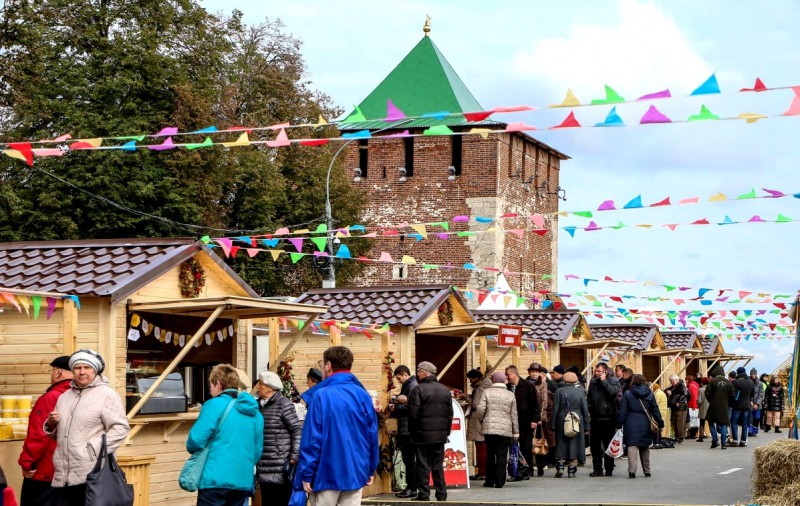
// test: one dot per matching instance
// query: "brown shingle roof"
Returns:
(679, 339)
(396, 305)
(640, 335)
(544, 324)
(709, 345)
(101, 267)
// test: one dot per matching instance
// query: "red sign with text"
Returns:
(509, 335)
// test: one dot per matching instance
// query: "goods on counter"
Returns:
(13, 428)
(15, 406)
(454, 460)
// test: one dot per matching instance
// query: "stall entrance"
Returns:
(438, 350)
(573, 356)
(693, 369)
(651, 367)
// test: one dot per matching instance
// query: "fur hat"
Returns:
(271, 380)
(88, 357)
(427, 367)
(570, 377)
(498, 377)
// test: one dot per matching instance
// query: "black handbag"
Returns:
(289, 471)
(106, 485)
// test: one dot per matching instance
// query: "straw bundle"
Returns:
(776, 474)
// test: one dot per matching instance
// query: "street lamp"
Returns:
(330, 280)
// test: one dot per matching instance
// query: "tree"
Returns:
(105, 68)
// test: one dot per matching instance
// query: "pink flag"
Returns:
(51, 306)
(608, 205)
(281, 140)
(755, 219)
(690, 200)
(794, 108)
(385, 257)
(297, 242)
(393, 113)
(225, 243)
(658, 94)
(653, 115)
(167, 144)
(167, 131)
(772, 193)
(537, 220)
(519, 127)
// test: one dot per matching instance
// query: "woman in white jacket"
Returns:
(497, 411)
(89, 409)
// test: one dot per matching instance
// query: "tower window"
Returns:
(408, 143)
(363, 157)
(455, 156)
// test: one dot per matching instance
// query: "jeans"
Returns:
(222, 497)
(755, 420)
(723, 432)
(739, 418)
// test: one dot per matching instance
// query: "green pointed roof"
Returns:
(422, 83)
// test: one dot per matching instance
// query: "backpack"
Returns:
(572, 421)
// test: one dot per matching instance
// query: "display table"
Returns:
(137, 473)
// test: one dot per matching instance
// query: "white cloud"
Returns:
(643, 52)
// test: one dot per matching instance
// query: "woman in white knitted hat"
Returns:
(89, 409)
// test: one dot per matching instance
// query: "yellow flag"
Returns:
(483, 132)
(243, 140)
(408, 260)
(717, 197)
(275, 253)
(13, 153)
(569, 101)
(421, 230)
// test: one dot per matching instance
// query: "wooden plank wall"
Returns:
(29, 345)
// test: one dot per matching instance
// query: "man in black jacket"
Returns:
(399, 408)
(742, 403)
(529, 413)
(430, 421)
(602, 399)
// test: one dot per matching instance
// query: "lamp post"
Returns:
(330, 279)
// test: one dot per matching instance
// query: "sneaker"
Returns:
(595, 474)
(406, 494)
(742, 444)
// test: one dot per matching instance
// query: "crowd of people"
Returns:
(258, 440)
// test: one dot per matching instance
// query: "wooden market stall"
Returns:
(647, 353)
(688, 342)
(713, 354)
(151, 307)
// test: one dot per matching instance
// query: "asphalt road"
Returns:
(688, 474)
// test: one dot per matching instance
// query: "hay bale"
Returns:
(786, 496)
(776, 469)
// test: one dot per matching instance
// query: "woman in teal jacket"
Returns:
(228, 476)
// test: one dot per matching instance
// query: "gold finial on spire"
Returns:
(427, 27)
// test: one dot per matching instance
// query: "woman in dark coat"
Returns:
(718, 393)
(635, 422)
(282, 431)
(570, 449)
(774, 403)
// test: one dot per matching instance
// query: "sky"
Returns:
(531, 52)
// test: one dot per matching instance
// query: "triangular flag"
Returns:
(756, 219)
(653, 115)
(519, 127)
(612, 119)
(88, 143)
(474, 117)
(612, 97)
(206, 130)
(321, 242)
(794, 107)
(569, 122)
(705, 114)
(280, 140)
(296, 256)
(205, 144)
(355, 116)
(483, 132)
(658, 94)
(570, 230)
(166, 131)
(636, 202)
(664, 202)
(393, 113)
(344, 252)
(225, 243)
(717, 197)
(420, 228)
(759, 86)
(607, 205)
(408, 260)
(709, 86)
(167, 144)
(297, 242)
(751, 117)
(320, 122)
(726, 221)
(129, 146)
(438, 130)
(13, 153)
(782, 219)
(243, 140)
(361, 134)
(385, 257)
(275, 254)
(750, 195)
(570, 100)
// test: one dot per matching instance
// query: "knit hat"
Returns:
(427, 367)
(271, 380)
(61, 362)
(498, 377)
(741, 370)
(753, 371)
(560, 370)
(570, 377)
(88, 357)
(314, 375)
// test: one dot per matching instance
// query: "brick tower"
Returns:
(429, 179)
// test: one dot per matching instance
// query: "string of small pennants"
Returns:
(32, 304)
(25, 151)
(708, 321)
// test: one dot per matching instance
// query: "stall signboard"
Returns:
(509, 335)
(456, 470)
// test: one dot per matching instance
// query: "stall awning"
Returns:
(466, 330)
(599, 343)
(241, 308)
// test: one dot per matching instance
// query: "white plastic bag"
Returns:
(694, 418)
(614, 449)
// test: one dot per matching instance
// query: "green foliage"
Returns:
(105, 68)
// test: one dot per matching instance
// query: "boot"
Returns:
(559, 469)
(571, 471)
(778, 430)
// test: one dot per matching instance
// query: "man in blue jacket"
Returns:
(339, 446)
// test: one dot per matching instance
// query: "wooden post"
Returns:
(384, 380)
(685, 364)
(596, 357)
(274, 340)
(515, 351)
(665, 369)
(70, 327)
(484, 349)
(171, 367)
(458, 353)
(336, 337)
(293, 342)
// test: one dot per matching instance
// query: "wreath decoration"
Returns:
(445, 313)
(192, 278)
(388, 367)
